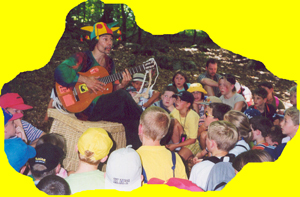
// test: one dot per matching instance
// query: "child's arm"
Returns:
(172, 147)
(152, 99)
(238, 106)
(199, 156)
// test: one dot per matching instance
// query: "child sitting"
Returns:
(242, 124)
(167, 101)
(93, 147)
(250, 156)
(46, 162)
(261, 127)
(198, 92)
(135, 89)
(10, 130)
(54, 185)
(123, 170)
(274, 138)
(157, 161)
(179, 81)
(271, 98)
(185, 138)
(221, 138)
(293, 96)
(57, 140)
(260, 103)
(289, 127)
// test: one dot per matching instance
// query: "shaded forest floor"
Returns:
(35, 86)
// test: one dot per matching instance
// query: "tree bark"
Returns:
(124, 17)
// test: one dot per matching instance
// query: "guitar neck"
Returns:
(117, 76)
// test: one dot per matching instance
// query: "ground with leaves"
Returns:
(35, 86)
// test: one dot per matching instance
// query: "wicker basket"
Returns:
(72, 128)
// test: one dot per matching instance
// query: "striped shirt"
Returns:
(31, 132)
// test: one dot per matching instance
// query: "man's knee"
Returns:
(209, 90)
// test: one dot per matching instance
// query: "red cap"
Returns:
(13, 100)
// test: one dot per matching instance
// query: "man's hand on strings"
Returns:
(126, 78)
(92, 83)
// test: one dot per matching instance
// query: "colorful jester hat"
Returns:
(100, 29)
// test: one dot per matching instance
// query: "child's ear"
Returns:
(265, 100)
(104, 159)
(140, 129)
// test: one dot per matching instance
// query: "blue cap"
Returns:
(7, 116)
(18, 152)
(251, 112)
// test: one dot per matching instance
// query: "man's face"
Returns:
(104, 44)
(137, 85)
(167, 98)
(10, 129)
(212, 69)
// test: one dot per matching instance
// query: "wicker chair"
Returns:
(72, 128)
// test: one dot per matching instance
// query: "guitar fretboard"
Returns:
(117, 76)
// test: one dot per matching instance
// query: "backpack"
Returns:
(173, 167)
(178, 183)
(276, 101)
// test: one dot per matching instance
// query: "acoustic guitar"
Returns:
(78, 98)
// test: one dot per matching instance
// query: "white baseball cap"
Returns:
(123, 170)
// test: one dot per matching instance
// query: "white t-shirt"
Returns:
(240, 147)
(200, 172)
(233, 100)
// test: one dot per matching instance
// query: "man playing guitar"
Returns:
(117, 106)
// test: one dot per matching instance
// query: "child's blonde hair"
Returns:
(224, 134)
(293, 112)
(241, 122)
(254, 155)
(155, 122)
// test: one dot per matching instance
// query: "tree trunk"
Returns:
(139, 36)
(124, 30)
(195, 35)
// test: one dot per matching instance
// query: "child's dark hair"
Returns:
(266, 84)
(262, 124)
(92, 43)
(210, 61)
(171, 89)
(260, 92)
(54, 185)
(276, 134)
(184, 76)
(219, 110)
(53, 138)
(254, 155)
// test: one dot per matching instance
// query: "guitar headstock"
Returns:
(149, 64)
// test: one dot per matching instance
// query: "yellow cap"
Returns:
(196, 87)
(95, 140)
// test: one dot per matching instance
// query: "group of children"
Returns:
(187, 137)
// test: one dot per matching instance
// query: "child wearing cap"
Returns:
(93, 147)
(221, 138)
(185, 138)
(229, 94)
(157, 161)
(123, 170)
(143, 97)
(10, 130)
(198, 92)
(14, 103)
(46, 161)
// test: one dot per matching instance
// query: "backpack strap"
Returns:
(145, 176)
(276, 101)
(242, 146)
(219, 185)
(174, 162)
(213, 159)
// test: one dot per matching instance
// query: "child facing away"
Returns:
(289, 127)
(93, 147)
(157, 161)
(241, 122)
(271, 98)
(54, 185)
(198, 92)
(274, 138)
(221, 138)
(180, 81)
(142, 97)
(185, 137)
(123, 170)
(293, 96)
(167, 100)
(252, 156)
(14, 103)
(261, 127)
(46, 162)
(229, 94)
(260, 103)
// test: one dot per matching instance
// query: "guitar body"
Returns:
(78, 98)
